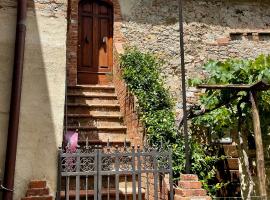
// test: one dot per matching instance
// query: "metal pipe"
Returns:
(184, 96)
(14, 114)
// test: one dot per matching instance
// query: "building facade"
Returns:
(214, 29)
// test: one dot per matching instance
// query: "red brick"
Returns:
(188, 177)
(37, 184)
(37, 192)
(190, 192)
(223, 41)
(190, 184)
(38, 198)
(176, 197)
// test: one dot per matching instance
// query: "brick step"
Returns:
(189, 177)
(177, 197)
(101, 95)
(37, 192)
(93, 100)
(104, 192)
(231, 164)
(94, 110)
(92, 88)
(38, 198)
(103, 143)
(230, 175)
(93, 128)
(190, 184)
(90, 109)
(96, 116)
(190, 192)
(91, 182)
(97, 105)
(103, 137)
(37, 184)
(97, 122)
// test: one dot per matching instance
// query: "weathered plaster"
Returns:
(42, 104)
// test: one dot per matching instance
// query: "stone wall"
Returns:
(210, 29)
(42, 104)
(213, 29)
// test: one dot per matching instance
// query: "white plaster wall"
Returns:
(42, 104)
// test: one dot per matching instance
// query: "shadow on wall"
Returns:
(231, 13)
(42, 103)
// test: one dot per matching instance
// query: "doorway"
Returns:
(95, 44)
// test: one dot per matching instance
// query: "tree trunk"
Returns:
(259, 145)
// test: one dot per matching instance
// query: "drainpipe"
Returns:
(14, 114)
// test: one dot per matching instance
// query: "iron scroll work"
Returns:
(126, 173)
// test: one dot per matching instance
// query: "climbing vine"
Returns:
(223, 104)
(141, 72)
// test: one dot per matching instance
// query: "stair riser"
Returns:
(91, 90)
(103, 137)
(104, 197)
(91, 182)
(94, 110)
(90, 101)
(95, 122)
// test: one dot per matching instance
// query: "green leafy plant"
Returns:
(223, 111)
(223, 104)
(141, 72)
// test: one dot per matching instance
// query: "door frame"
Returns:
(109, 3)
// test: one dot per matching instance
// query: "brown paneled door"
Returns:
(95, 42)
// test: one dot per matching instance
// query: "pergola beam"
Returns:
(252, 90)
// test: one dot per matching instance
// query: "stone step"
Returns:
(190, 184)
(37, 192)
(177, 197)
(104, 137)
(104, 192)
(92, 99)
(92, 95)
(97, 105)
(97, 122)
(93, 87)
(190, 192)
(97, 116)
(37, 184)
(38, 198)
(188, 177)
(98, 109)
(93, 128)
(124, 181)
(103, 144)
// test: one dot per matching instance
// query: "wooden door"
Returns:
(95, 42)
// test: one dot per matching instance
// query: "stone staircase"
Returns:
(94, 111)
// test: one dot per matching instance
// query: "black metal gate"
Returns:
(127, 173)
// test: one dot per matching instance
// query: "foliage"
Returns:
(141, 72)
(233, 71)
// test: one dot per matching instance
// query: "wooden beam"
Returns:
(259, 145)
(258, 86)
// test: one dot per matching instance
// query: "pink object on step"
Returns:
(71, 139)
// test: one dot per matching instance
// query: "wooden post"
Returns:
(259, 145)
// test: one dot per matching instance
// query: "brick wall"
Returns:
(127, 104)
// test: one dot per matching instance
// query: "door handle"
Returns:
(104, 39)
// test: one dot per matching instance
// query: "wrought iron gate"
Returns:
(115, 173)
